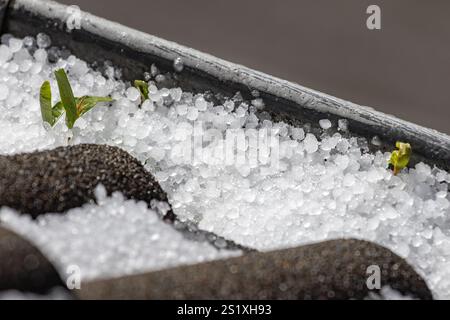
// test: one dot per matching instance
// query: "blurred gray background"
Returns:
(402, 69)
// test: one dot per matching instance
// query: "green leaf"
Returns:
(400, 158)
(142, 86)
(86, 103)
(58, 111)
(67, 98)
(73, 107)
(45, 99)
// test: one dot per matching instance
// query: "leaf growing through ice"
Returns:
(142, 86)
(58, 111)
(67, 98)
(45, 100)
(86, 103)
(400, 158)
(73, 107)
(49, 114)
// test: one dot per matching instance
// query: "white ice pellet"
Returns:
(4, 91)
(310, 142)
(342, 161)
(349, 180)
(258, 103)
(81, 123)
(298, 133)
(35, 68)
(182, 109)
(13, 67)
(229, 105)
(25, 65)
(178, 64)
(5, 54)
(201, 104)
(15, 44)
(79, 68)
(441, 176)
(147, 105)
(154, 71)
(343, 124)
(328, 143)
(176, 94)
(43, 41)
(192, 113)
(376, 141)
(28, 42)
(88, 80)
(157, 153)
(325, 124)
(132, 93)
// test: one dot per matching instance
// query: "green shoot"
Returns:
(86, 103)
(49, 114)
(142, 86)
(58, 111)
(73, 107)
(45, 100)
(400, 158)
(67, 98)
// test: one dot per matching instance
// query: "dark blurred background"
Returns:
(402, 69)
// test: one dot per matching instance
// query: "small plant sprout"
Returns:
(72, 106)
(400, 158)
(142, 86)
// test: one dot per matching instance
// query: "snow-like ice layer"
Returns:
(111, 238)
(327, 185)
